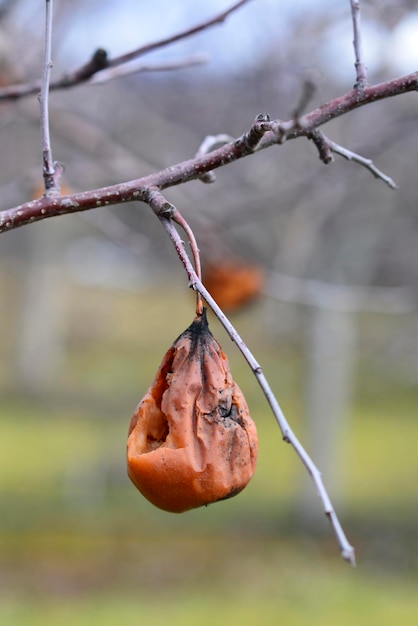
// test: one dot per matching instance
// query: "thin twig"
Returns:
(98, 61)
(326, 147)
(129, 69)
(361, 70)
(322, 145)
(169, 210)
(208, 144)
(97, 71)
(48, 163)
(211, 141)
(157, 201)
(308, 90)
(365, 162)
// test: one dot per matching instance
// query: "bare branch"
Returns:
(308, 90)
(326, 147)
(367, 163)
(323, 147)
(361, 70)
(337, 107)
(166, 210)
(83, 74)
(48, 164)
(129, 69)
(194, 168)
(99, 62)
(211, 141)
(157, 203)
(179, 219)
(208, 144)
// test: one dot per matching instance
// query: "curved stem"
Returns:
(179, 219)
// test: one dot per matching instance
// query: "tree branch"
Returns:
(350, 101)
(129, 69)
(272, 134)
(158, 204)
(361, 71)
(48, 164)
(326, 147)
(365, 162)
(209, 143)
(90, 71)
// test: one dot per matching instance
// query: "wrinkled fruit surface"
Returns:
(191, 439)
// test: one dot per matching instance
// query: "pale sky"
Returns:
(126, 24)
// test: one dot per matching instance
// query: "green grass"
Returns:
(268, 584)
(380, 464)
(360, 606)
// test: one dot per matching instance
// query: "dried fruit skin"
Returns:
(191, 439)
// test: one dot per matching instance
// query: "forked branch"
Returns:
(263, 134)
(326, 147)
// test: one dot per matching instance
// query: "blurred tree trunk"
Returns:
(41, 344)
(330, 353)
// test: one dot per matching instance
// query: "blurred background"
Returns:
(317, 267)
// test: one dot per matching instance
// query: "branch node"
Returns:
(208, 178)
(166, 210)
(98, 62)
(53, 179)
(252, 138)
(322, 145)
